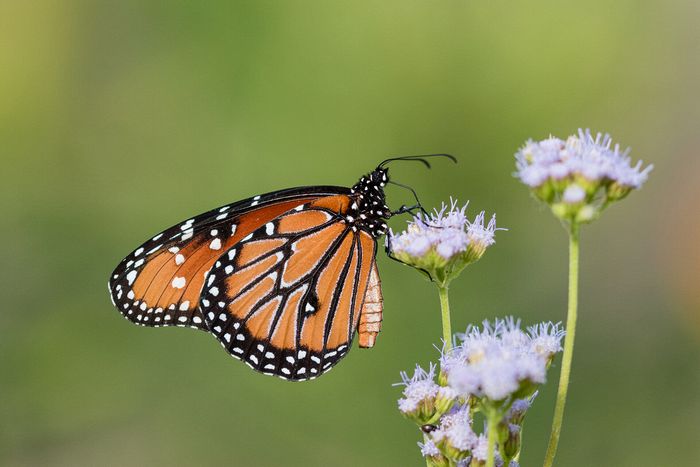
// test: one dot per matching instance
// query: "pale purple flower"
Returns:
(419, 387)
(545, 338)
(480, 234)
(496, 360)
(456, 429)
(461, 436)
(428, 449)
(481, 448)
(447, 231)
(592, 157)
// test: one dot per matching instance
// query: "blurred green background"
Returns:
(118, 119)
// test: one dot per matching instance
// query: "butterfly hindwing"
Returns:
(286, 299)
(159, 283)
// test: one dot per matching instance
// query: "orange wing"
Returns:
(159, 283)
(287, 298)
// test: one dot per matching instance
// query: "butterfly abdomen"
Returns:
(371, 313)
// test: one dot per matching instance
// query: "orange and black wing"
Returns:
(287, 298)
(159, 283)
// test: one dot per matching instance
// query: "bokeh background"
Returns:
(118, 119)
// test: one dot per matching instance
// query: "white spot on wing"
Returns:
(179, 259)
(154, 249)
(131, 277)
(215, 244)
(179, 282)
(184, 306)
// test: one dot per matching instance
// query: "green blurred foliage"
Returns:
(120, 118)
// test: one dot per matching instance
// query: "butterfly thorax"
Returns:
(369, 210)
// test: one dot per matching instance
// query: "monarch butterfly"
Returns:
(283, 280)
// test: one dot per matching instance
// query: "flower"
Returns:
(423, 400)
(545, 338)
(579, 177)
(432, 454)
(443, 243)
(428, 449)
(455, 435)
(500, 360)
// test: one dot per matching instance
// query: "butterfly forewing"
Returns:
(159, 283)
(286, 299)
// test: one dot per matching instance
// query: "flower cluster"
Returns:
(500, 360)
(581, 176)
(494, 370)
(443, 243)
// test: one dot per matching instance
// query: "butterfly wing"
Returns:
(159, 283)
(287, 298)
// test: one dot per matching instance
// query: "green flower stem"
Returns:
(568, 345)
(427, 461)
(492, 420)
(445, 308)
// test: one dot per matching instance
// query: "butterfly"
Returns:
(283, 280)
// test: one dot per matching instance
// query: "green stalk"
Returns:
(568, 346)
(492, 419)
(445, 308)
(427, 461)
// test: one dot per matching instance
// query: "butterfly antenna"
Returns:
(422, 159)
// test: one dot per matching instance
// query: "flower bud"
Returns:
(511, 441)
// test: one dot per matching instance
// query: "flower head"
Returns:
(443, 243)
(423, 400)
(500, 360)
(579, 177)
(455, 435)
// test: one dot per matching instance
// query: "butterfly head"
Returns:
(369, 210)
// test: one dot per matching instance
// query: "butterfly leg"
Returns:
(408, 209)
